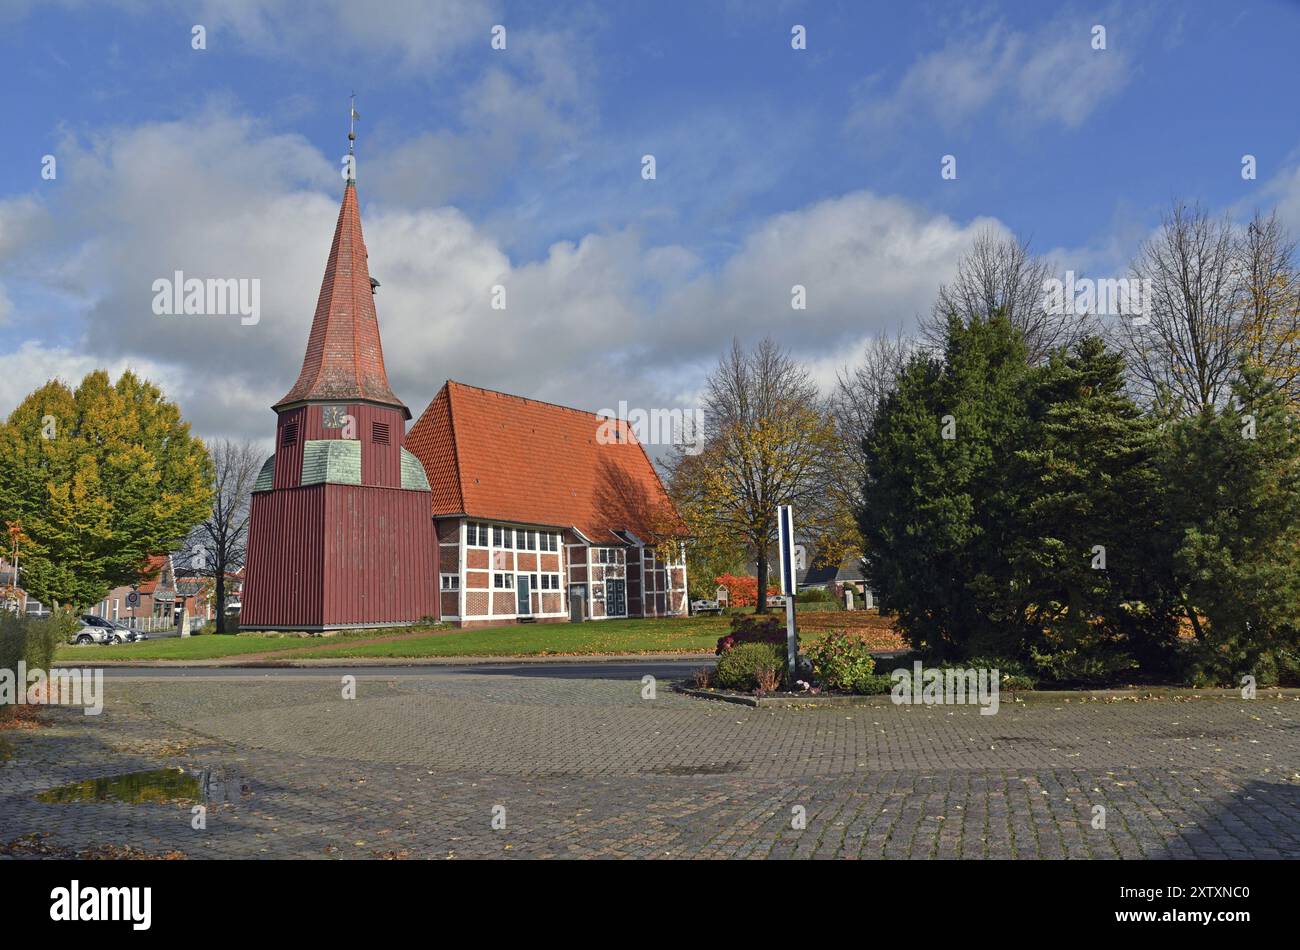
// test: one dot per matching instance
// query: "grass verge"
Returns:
(667, 635)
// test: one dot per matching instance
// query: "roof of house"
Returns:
(507, 458)
(344, 358)
(151, 573)
(850, 569)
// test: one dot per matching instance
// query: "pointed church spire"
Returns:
(345, 360)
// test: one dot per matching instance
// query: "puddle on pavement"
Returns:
(220, 786)
(165, 786)
(155, 786)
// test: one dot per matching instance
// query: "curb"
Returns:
(1021, 697)
(1141, 693)
(760, 702)
(327, 662)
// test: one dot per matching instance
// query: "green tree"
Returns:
(936, 511)
(101, 478)
(1089, 558)
(1234, 497)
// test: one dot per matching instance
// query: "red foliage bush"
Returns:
(742, 590)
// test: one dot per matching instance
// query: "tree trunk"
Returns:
(762, 585)
(221, 601)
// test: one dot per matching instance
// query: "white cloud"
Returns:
(867, 263)
(1283, 192)
(413, 34)
(34, 363)
(532, 104)
(596, 320)
(1051, 75)
(20, 219)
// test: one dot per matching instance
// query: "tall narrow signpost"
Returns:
(785, 540)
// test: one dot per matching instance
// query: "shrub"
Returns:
(753, 628)
(32, 640)
(1016, 681)
(1012, 674)
(842, 662)
(766, 678)
(1201, 666)
(819, 599)
(745, 665)
(1288, 667)
(814, 595)
(876, 684)
(1083, 661)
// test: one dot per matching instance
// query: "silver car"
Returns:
(101, 630)
(92, 633)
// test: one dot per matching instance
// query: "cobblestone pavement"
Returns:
(419, 766)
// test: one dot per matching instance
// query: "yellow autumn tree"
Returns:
(101, 478)
(769, 441)
(1270, 304)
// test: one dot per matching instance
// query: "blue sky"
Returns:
(522, 167)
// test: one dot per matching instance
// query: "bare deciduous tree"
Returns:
(217, 546)
(999, 273)
(1270, 302)
(1188, 345)
(855, 400)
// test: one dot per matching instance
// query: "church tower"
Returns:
(340, 533)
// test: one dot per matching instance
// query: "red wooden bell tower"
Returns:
(340, 533)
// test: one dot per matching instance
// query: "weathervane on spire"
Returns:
(353, 115)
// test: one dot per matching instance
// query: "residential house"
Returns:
(13, 597)
(159, 592)
(849, 574)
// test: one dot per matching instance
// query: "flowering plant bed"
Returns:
(784, 698)
(809, 700)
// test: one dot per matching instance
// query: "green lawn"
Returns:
(202, 647)
(670, 635)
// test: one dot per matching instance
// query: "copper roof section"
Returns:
(345, 360)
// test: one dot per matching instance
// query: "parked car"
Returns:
(114, 630)
(94, 633)
(706, 607)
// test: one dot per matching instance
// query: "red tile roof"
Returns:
(345, 359)
(495, 456)
(151, 573)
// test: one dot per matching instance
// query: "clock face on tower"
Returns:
(333, 417)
